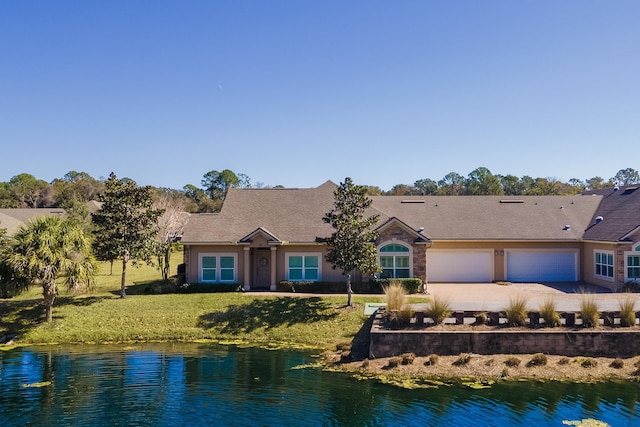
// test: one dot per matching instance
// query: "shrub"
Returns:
(405, 315)
(482, 318)
(549, 313)
(410, 285)
(512, 362)
(630, 286)
(394, 295)
(617, 364)
(589, 363)
(432, 360)
(516, 312)
(538, 359)
(627, 312)
(438, 310)
(564, 361)
(394, 362)
(204, 288)
(408, 358)
(462, 360)
(589, 312)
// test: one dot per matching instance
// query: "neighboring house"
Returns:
(12, 219)
(612, 240)
(263, 236)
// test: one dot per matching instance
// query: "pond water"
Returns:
(206, 385)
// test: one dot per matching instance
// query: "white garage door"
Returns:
(460, 266)
(542, 266)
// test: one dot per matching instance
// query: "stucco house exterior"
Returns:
(264, 236)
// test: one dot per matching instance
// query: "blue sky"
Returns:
(298, 92)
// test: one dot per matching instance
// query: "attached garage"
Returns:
(542, 266)
(460, 266)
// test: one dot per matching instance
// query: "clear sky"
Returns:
(301, 91)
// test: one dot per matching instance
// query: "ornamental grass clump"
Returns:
(395, 296)
(617, 363)
(432, 360)
(589, 312)
(516, 312)
(408, 358)
(462, 360)
(512, 362)
(537, 359)
(439, 310)
(627, 312)
(549, 313)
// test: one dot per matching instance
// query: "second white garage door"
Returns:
(542, 266)
(453, 266)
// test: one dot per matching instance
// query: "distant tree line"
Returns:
(481, 181)
(73, 190)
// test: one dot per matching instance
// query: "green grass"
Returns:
(102, 317)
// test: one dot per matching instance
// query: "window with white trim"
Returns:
(632, 264)
(603, 264)
(304, 266)
(218, 268)
(394, 261)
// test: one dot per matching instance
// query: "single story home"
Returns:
(264, 236)
(11, 219)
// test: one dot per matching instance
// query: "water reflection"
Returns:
(174, 385)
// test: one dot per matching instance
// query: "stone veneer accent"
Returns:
(419, 250)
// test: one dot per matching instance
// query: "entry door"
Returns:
(261, 268)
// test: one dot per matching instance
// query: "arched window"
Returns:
(395, 261)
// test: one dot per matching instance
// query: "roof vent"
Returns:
(629, 190)
(567, 227)
(412, 201)
(421, 230)
(599, 219)
(616, 188)
(512, 201)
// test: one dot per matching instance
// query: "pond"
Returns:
(205, 385)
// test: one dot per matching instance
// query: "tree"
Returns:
(426, 186)
(482, 182)
(126, 224)
(27, 189)
(47, 248)
(451, 185)
(596, 183)
(626, 176)
(351, 246)
(170, 228)
(217, 184)
(11, 283)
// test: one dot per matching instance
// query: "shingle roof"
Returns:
(12, 219)
(295, 215)
(291, 215)
(620, 212)
(492, 217)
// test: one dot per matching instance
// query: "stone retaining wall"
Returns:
(623, 342)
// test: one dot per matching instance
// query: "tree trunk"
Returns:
(349, 303)
(123, 288)
(49, 294)
(167, 260)
(111, 273)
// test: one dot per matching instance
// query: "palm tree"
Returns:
(50, 247)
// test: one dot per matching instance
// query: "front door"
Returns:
(261, 268)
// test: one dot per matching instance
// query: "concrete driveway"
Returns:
(494, 297)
